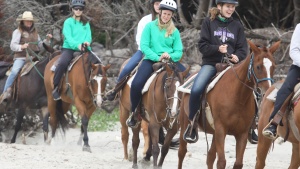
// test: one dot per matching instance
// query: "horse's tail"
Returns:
(62, 121)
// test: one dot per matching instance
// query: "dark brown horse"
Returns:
(29, 92)
(83, 86)
(264, 144)
(232, 105)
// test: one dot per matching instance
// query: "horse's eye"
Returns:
(258, 67)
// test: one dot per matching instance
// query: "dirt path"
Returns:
(107, 153)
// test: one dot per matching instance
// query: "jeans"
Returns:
(141, 77)
(62, 66)
(17, 66)
(286, 89)
(131, 64)
(201, 81)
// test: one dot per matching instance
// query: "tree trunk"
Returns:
(297, 12)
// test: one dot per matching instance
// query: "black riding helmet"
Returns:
(235, 2)
(80, 3)
(152, 1)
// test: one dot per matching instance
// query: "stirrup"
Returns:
(55, 94)
(130, 118)
(269, 134)
(187, 136)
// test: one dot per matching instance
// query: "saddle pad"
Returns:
(187, 86)
(27, 67)
(148, 83)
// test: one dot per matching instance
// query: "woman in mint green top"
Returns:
(76, 31)
(160, 40)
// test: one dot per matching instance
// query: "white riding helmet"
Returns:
(168, 4)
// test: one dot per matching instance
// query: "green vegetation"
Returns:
(100, 120)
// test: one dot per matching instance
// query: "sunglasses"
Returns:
(76, 9)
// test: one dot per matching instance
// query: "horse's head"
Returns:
(173, 79)
(100, 79)
(262, 65)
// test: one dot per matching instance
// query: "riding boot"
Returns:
(112, 94)
(252, 136)
(270, 131)
(133, 120)
(6, 95)
(55, 93)
(191, 133)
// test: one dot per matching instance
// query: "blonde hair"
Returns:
(170, 27)
(213, 13)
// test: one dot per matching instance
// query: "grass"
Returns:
(100, 120)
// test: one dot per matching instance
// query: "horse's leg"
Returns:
(135, 144)
(168, 139)
(295, 160)
(263, 146)
(85, 123)
(53, 118)
(124, 114)
(20, 115)
(144, 127)
(219, 141)
(211, 155)
(45, 115)
(149, 151)
(241, 142)
(154, 132)
(182, 144)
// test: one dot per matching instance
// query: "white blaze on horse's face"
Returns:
(175, 101)
(268, 64)
(98, 96)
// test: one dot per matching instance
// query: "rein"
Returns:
(251, 71)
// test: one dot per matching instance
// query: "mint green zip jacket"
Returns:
(154, 43)
(75, 33)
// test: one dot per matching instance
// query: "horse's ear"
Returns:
(187, 70)
(94, 66)
(274, 47)
(168, 69)
(253, 47)
(106, 67)
(48, 48)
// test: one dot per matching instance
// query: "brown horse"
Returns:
(232, 105)
(161, 94)
(264, 143)
(82, 86)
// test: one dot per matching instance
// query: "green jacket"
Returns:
(154, 43)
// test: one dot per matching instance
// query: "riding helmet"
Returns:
(78, 3)
(168, 4)
(152, 1)
(235, 2)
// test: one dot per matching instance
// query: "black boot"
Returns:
(270, 132)
(110, 95)
(252, 136)
(191, 134)
(55, 93)
(132, 121)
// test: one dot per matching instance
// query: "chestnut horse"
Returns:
(232, 105)
(162, 90)
(264, 144)
(82, 86)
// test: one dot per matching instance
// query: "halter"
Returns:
(251, 71)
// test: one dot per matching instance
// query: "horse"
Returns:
(83, 85)
(289, 121)
(163, 94)
(29, 92)
(232, 105)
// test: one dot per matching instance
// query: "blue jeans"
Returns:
(17, 66)
(286, 89)
(131, 64)
(201, 81)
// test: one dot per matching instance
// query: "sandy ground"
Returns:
(107, 153)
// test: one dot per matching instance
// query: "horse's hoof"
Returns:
(135, 166)
(86, 148)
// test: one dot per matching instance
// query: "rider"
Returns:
(25, 41)
(76, 31)
(160, 40)
(287, 88)
(220, 34)
(137, 57)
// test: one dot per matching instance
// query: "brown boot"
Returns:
(6, 95)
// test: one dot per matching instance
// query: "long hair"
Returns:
(22, 28)
(214, 12)
(153, 12)
(170, 27)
